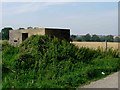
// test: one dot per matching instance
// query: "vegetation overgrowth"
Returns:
(44, 62)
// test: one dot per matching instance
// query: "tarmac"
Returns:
(111, 81)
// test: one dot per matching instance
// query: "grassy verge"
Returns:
(44, 62)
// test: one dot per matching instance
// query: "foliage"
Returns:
(87, 37)
(73, 36)
(95, 38)
(109, 38)
(117, 39)
(103, 38)
(5, 33)
(44, 62)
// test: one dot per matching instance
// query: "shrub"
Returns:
(44, 62)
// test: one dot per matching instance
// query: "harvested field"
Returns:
(95, 45)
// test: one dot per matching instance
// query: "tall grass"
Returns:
(44, 62)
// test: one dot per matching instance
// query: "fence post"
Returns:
(106, 45)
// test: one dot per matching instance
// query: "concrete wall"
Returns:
(59, 33)
(16, 35)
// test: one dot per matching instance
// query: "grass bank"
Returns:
(44, 62)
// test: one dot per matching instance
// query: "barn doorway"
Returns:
(24, 36)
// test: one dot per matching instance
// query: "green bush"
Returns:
(44, 62)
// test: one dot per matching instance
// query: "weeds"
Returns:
(44, 62)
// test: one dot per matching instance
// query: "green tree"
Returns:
(79, 39)
(95, 38)
(117, 39)
(5, 33)
(109, 38)
(73, 37)
(87, 37)
(102, 38)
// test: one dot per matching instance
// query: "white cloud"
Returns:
(28, 7)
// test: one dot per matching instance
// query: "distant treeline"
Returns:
(95, 38)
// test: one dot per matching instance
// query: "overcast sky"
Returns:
(80, 17)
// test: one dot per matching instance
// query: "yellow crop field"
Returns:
(95, 45)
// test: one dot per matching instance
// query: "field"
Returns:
(95, 45)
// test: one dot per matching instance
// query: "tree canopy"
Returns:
(5, 33)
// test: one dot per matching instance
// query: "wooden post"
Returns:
(106, 45)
